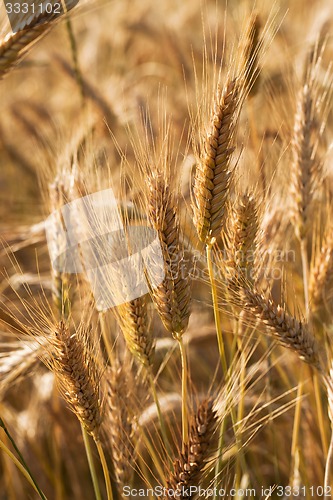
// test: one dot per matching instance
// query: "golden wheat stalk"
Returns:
(187, 469)
(242, 235)
(213, 174)
(290, 331)
(173, 296)
(133, 320)
(62, 190)
(321, 276)
(78, 373)
(251, 50)
(310, 120)
(304, 166)
(118, 424)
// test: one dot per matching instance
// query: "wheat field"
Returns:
(166, 250)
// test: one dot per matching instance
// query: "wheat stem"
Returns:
(22, 469)
(240, 416)
(298, 408)
(297, 423)
(216, 307)
(159, 413)
(184, 391)
(218, 467)
(91, 463)
(105, 469)
(320, 413)
(219, 460)
(76, 66)
(105, 335)
(329, 467)
(57, 459)
(23, 462)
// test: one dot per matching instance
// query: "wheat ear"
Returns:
(291, 332)
(132, 318)
(173, 296)
(251, 50)
(189, 466)
(78, 374)
(118, 424)
(213, 174)
(242, 235)
(309, 126)
(321, 276)
(304, 165)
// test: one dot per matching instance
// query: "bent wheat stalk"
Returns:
(78, 373)
(290, 332)
(172, 297)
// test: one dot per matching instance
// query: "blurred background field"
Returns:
(143, 58)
